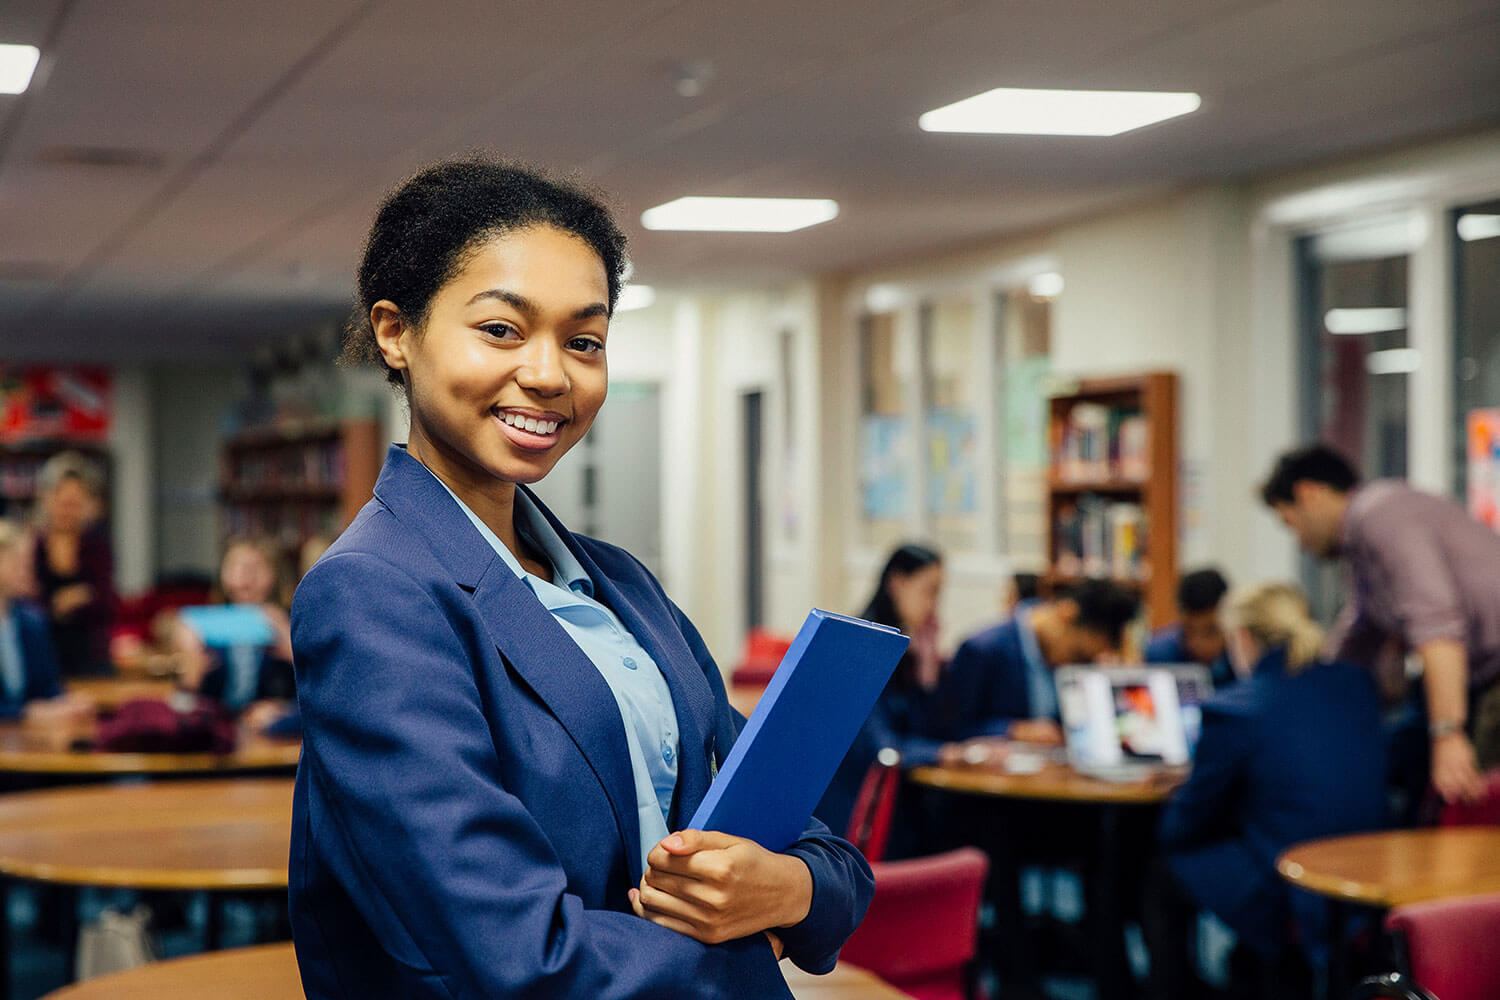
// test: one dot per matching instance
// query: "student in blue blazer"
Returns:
(1198, 634)
(29, 675)
(1000, 682)
(504, 722)
(1292, 754)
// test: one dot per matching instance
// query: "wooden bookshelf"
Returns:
(21, 463)
(290, 484)
(1112, 487)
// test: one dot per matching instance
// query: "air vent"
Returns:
(111, 157)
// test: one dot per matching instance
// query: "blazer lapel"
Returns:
(531, 640)
(692, 700)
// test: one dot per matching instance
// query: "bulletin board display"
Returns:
(71, 403)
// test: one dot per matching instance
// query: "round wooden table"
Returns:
(1012, 815)
(111, 692)
(26, 749)
(212, 835)
(269, 972)
(1054, 782)
(1395, 867)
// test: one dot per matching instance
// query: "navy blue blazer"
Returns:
(464, 823)
(1165, 646)
(1283, 759)
(38, 660)
(984, 688)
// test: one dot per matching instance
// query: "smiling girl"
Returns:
(504, 721)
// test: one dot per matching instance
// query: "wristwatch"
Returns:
(1439, 728)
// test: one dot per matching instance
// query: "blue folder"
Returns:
(226, 625)
(801, 729)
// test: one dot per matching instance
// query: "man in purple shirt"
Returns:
(1425, 581)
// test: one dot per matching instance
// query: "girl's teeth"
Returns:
(530, 424)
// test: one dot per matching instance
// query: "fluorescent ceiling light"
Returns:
(1478, 227)
(1396, 361)
(635, 297)
(1354, 321)
(17, 63)
(1012, 111)
(1048, 285)
(740, 215)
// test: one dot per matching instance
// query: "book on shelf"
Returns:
(1096, 537)
(1101, 442)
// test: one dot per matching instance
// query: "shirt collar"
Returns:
(1030, 648)
(534, 527)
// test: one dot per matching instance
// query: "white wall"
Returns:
(189, 407)
(132, 507)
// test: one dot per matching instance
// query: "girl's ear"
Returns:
(391, 333)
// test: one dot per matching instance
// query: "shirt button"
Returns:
(630, 663)
(667, 753)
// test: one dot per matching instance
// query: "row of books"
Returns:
(1103, 442)
(312, 465)
(289, 523)
(1096, 537)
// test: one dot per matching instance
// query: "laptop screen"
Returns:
(1131, 715)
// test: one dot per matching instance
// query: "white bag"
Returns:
(115, 942)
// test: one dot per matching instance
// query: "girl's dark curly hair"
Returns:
(424, 232)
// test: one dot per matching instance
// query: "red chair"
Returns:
(761, 656)
(1448, 948)
(1485, 812)
(922, 928)
(870, 820)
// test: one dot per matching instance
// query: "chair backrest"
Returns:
(760, 658)
(1450, 946)
(1485, 812)
(870, 820)
(922, 927)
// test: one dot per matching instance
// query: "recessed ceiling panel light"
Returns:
(635, 297)
(1473, 227)
(17, 63)
(740, 215)
(1012, 111)
(1358, 321)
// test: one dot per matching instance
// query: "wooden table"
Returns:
(1054, 782)
(110, 693)
(1105, 817)
(215, 836)
(269, 972)
(1396, 867)
(1390, 868)
(26, 749)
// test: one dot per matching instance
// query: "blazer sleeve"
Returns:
(43, 675)
(451, 871)
(842, 880)
(979, 695)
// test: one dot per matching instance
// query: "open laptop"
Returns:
(1123, 723)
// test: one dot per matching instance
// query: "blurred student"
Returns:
(255, 681)
(1020, 589)
(1000, 681)
(905, 597)
(1426, 582)
(1198, 636)
(1293, 753)
(30, 681)
(74, 563)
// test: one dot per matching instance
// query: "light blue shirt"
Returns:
(640, 690)
(1041, 688)
(12, 669)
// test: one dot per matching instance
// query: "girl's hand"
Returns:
(714, 888)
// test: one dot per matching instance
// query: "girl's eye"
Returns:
(585, 345)
(501, 331)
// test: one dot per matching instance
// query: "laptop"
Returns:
(1124, 723)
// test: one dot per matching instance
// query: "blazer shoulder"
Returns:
(29, 617)
(996, 638)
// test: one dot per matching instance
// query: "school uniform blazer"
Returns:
(464, 824)
(1166, 646)
(984, 688)
(38, 660)
(1282, 759)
